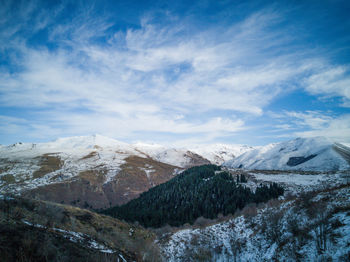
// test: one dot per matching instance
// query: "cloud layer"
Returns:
(88, 75)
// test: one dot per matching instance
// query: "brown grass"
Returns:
(104, 229)
(8, 179)
(90, 155)
(95, 177)
(48, 163)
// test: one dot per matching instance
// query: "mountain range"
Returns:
(99, 172)
(95, 171)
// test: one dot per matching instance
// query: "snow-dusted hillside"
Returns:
(219, 153)
(96, 152)
(104, 170)
(181, 157)
(73, 155)
(315, 227)
(309, 154)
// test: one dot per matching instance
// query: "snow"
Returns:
(106, 155)
(124, 260)
(76, 237)
(254, 244)
(172, 156)
(276, 156)
(77, 154)
(294, 178)
(148, 169)
(215, 153)
(346, 144)
(219, 153)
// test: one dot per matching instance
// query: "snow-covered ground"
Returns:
(286, 232)
(78, 154)
(296, 182)
(76, 237)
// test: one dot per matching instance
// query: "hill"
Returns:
(307, 154)
(199, 191)
(32, 230)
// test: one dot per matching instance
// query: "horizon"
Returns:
(234, 72)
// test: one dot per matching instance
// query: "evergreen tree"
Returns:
(198, 191)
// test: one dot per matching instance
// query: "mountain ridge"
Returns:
(304, 154)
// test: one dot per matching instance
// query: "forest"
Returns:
(199, 191)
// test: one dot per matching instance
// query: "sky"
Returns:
(175, 72)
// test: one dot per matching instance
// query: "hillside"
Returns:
(307, 154)
(91, 171)
(315, 226)
(199, 191)
(33, 230)
(219, 153)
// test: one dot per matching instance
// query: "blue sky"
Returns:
(175, 72)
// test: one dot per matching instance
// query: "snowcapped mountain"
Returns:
(309, 154)
(173, 156)
(92, 169)
(219, 153)
(98, 172)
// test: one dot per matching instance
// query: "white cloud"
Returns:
(316, 123)
(312, 119)
(156, 78)
(333, 81)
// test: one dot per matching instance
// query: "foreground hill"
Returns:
(308, 154)
(315, 226)
(33, 230)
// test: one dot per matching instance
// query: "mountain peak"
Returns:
(86, 142)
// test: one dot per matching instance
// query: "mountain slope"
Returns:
(34, 230)
(219, 153)
(173, 156)
(309, 154)
(88, 171)
(198, 191)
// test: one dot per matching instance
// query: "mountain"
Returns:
(220, 153)
(173, 156)
(89, 171)
(308, 154)
(95, 171)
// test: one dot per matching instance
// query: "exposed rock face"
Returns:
(294, 161)
(89, 189)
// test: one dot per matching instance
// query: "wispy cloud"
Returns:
(93, 77)
(332, 81)
(316, 123)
